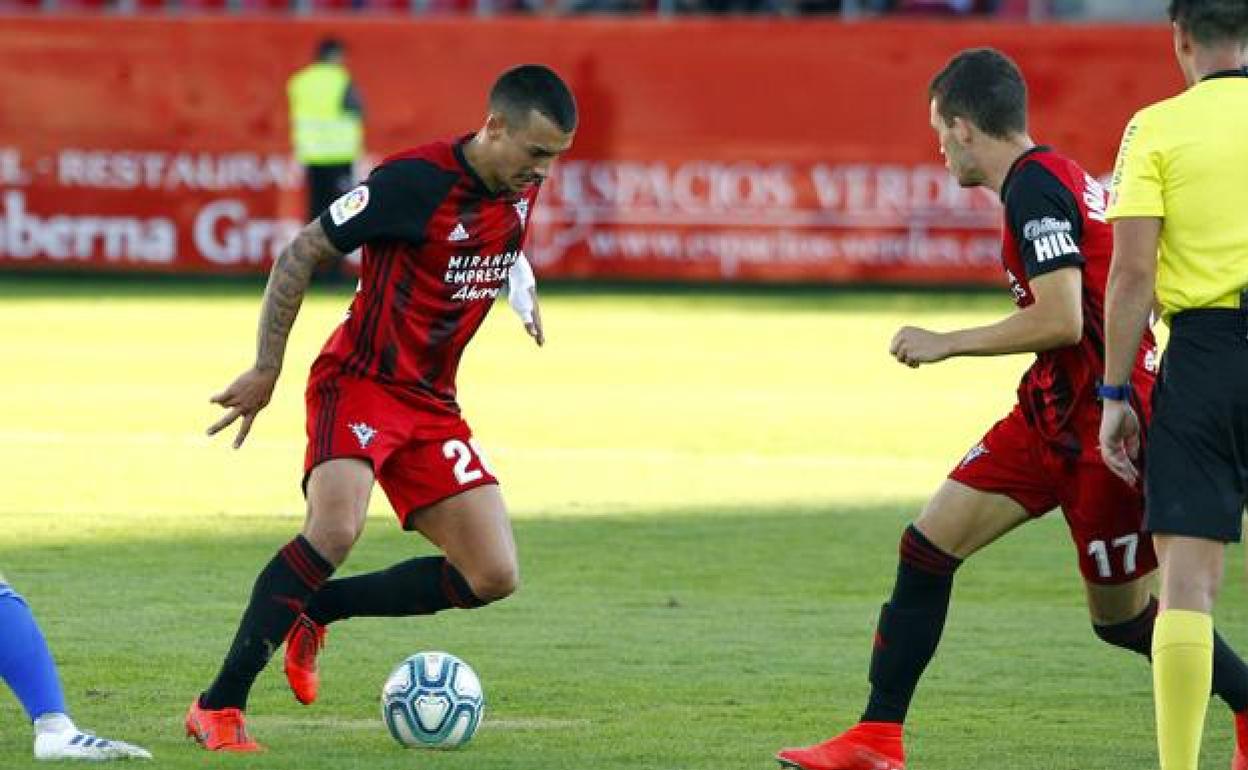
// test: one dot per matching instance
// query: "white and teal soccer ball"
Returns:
(432, 700)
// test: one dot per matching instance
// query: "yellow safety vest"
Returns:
(322, 132)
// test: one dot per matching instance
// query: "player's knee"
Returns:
(1133, 633)
(333, 541)
(495, 583)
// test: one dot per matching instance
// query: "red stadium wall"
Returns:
(720, 150)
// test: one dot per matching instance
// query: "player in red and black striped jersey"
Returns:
(438, 245)
(442, 229)
(1044, 454)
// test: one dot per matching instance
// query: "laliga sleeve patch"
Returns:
(349, 205)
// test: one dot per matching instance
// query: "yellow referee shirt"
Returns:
(1185, 160)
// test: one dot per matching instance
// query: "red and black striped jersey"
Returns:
(437, 248)
(1055, 218)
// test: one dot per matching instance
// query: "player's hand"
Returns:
(534, 326)
(244, 398)
(913, 346)
(1120, 440)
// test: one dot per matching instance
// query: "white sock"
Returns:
(54, 722)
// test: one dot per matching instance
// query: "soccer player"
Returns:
(1043, 454)
(1180, 218)
(442, 227)
(27, 667)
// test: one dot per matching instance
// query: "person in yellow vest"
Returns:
(1180, 214)
(326, 126)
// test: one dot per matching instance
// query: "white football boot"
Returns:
(56, 737)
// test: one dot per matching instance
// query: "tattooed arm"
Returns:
(288, 281)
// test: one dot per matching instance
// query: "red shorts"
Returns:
(421, 454)
(1104, 513)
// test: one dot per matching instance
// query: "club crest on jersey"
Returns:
(460, 233)
(522, 210)
(977, 451)
(364, 433)
(349, 205)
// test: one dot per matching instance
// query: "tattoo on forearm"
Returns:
(288, 281)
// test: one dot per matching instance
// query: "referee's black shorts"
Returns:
(1196, 475)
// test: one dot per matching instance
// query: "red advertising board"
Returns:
(708, 149)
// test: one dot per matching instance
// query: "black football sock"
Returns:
(1136, 634)
(1230, 674)
(279, 595)
(420, 586)
(910, 626)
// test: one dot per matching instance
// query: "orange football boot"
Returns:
(865, 746)
(219, 729)
(304, 642)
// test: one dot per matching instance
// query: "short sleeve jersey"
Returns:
(1054, 219)
(1185, 160)
(437, 248)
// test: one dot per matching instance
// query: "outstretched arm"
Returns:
(283, 295)
(1054, 320)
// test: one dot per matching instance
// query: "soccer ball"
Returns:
(432, 700)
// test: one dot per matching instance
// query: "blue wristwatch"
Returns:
(1113, 392)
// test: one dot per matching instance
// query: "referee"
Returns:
(1180, 214)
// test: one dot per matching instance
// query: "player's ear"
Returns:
(962, 130)
(495, 125)
(1182, 40)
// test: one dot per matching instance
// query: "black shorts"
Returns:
(325, 185)
(1197, 471)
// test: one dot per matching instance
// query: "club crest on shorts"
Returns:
(364, 433)
(977, 451)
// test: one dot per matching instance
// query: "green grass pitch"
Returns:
(708, 487)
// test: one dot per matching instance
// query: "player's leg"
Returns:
(444, 490)
(27, 667)
(1117, 560)
(1183, 646)
(26, 663)
(1196, 483)
(478, 565)
(1124, 616)
(474, 532)
(338, 491)
(997, 486)
(1121, 603)
(957, 522)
